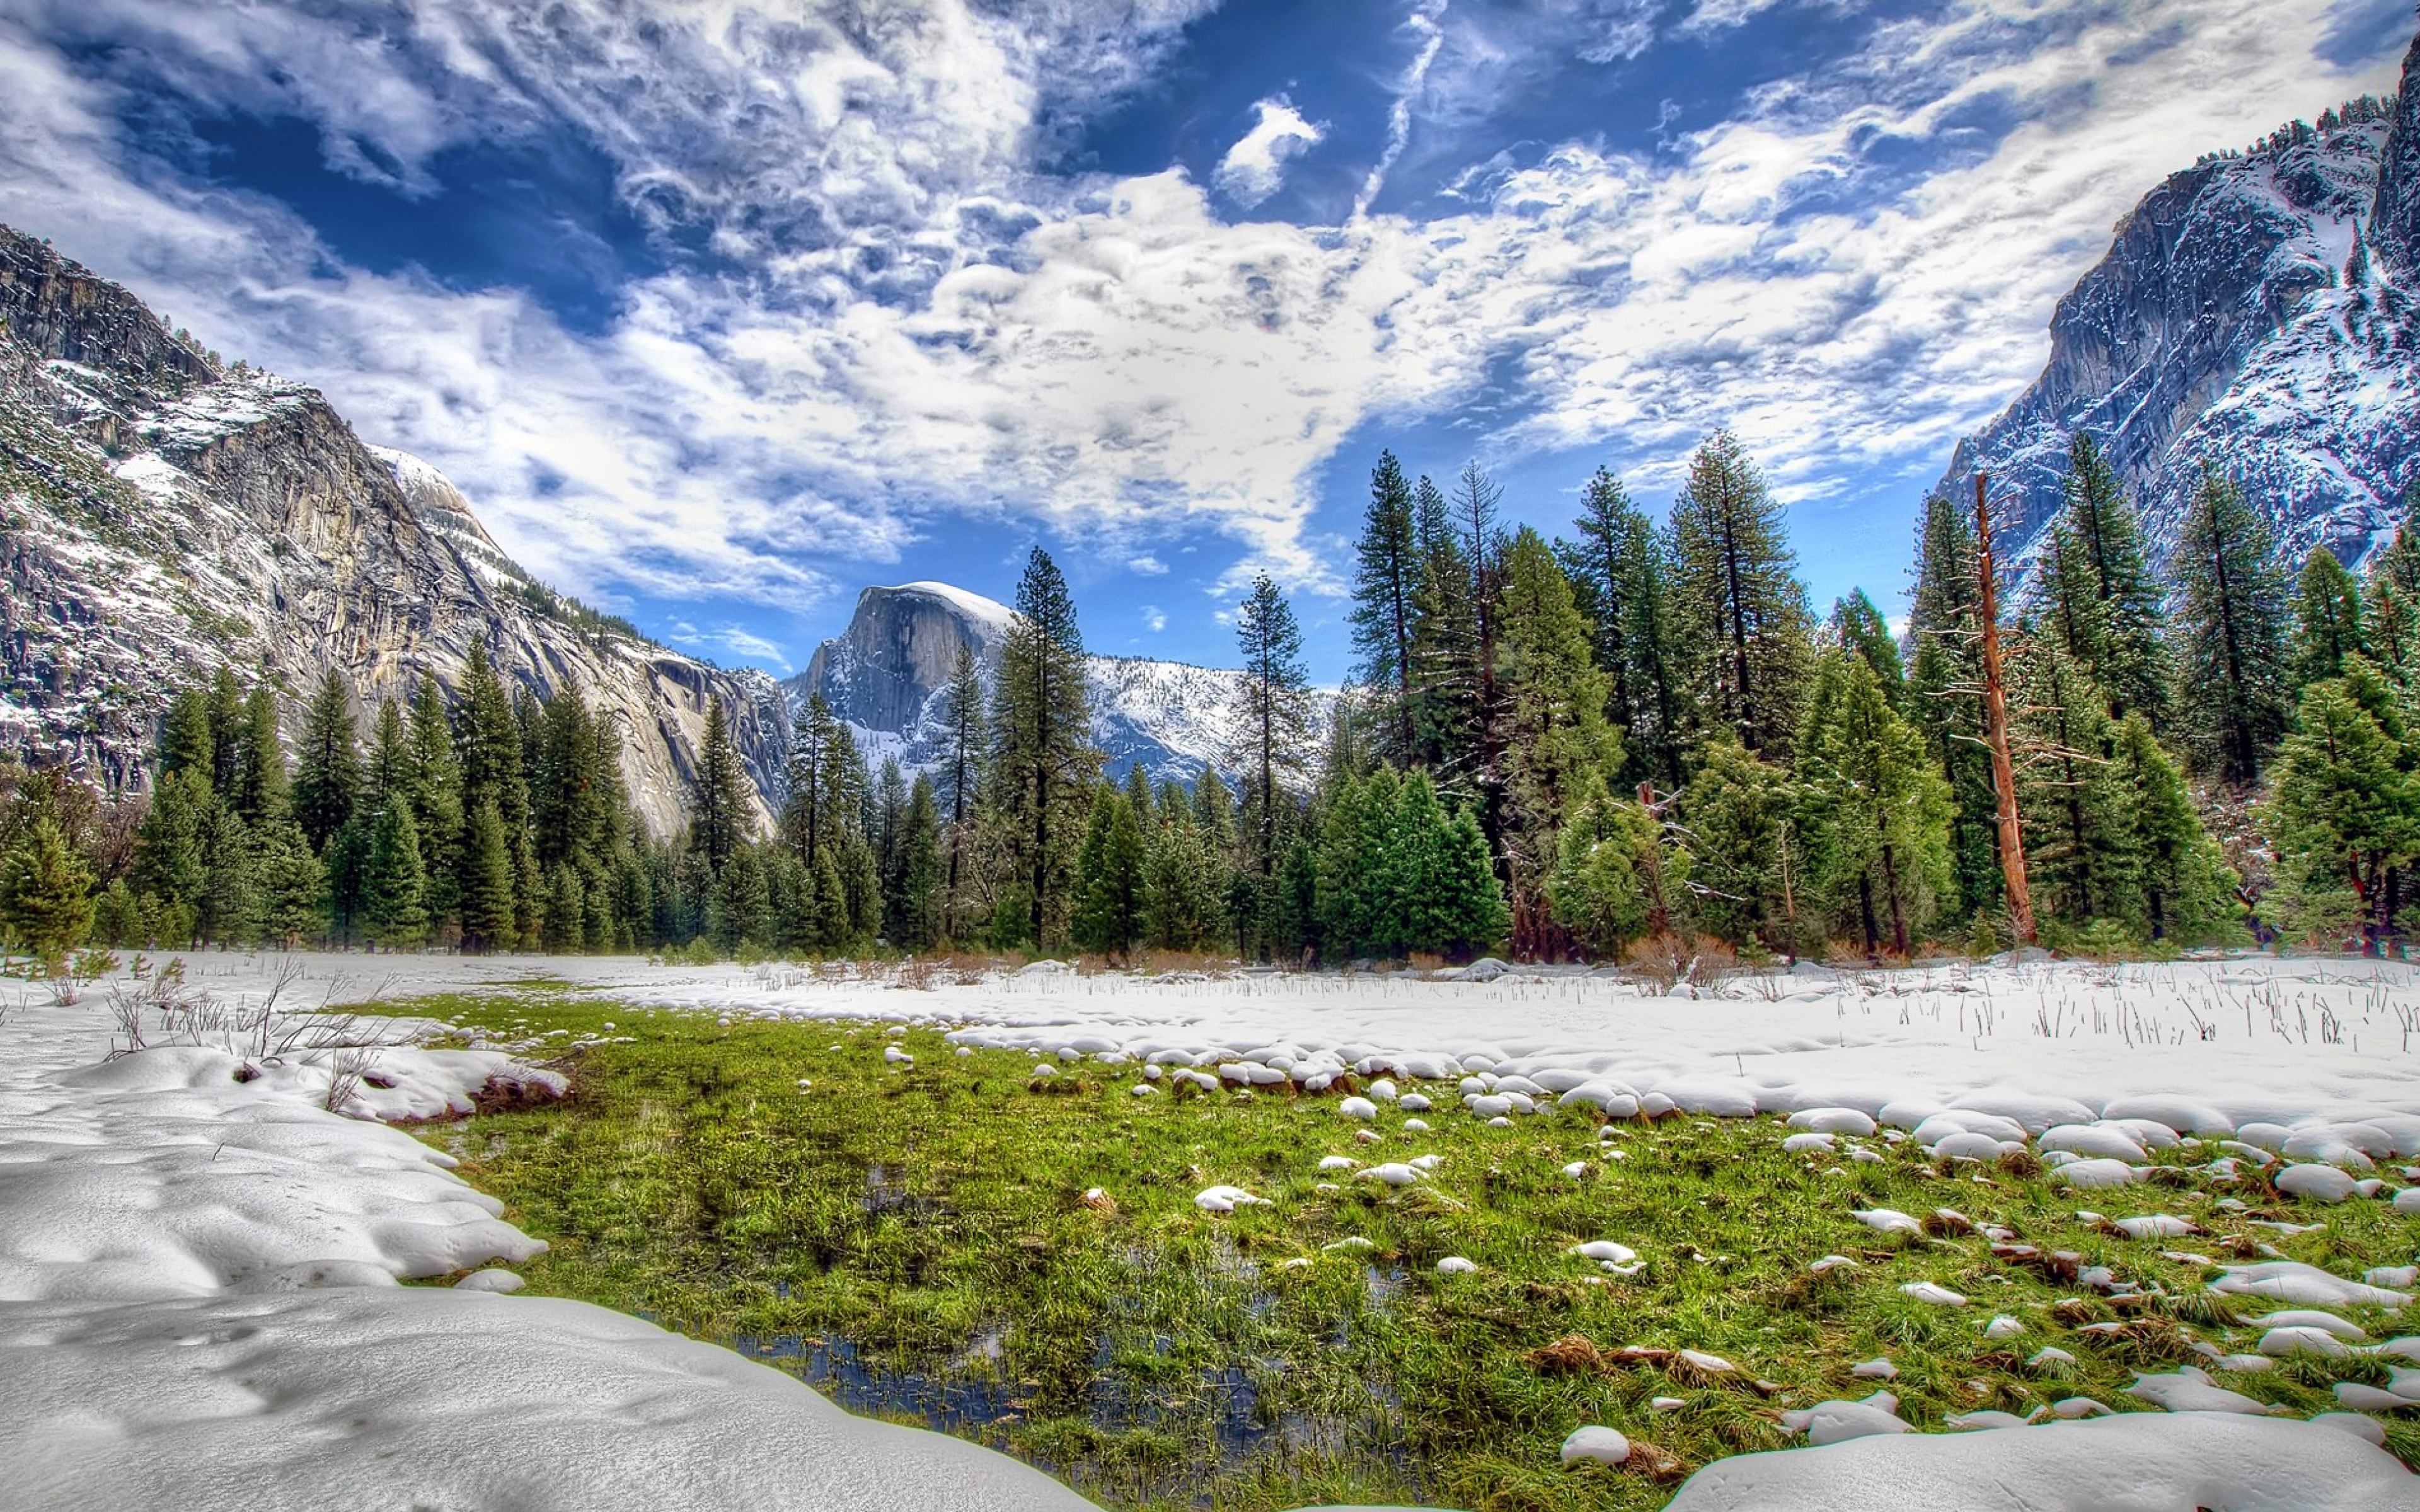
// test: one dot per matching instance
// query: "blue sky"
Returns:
(720, 311)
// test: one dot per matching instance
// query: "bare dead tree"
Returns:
(1995, 730)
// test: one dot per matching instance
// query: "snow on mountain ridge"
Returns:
(886, 674)
(162, 515)
(2224, 327)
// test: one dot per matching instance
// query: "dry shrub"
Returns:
(2074, 1312)
(1655, 1462)
(2022, 1163)
(1573, 1354)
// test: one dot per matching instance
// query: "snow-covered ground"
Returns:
(198, 1304)
(199, 1308)
(2206, 1046)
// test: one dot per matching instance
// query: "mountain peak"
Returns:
(2232, 324)
(162, 515)
(2394, 219)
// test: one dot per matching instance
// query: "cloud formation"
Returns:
(1254, 168)
(887, 314)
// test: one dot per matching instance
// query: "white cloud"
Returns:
(1147, 565)
(1710, 16)
(1153, 619)
(1254, 168)
(924, 327)
(1422, 23)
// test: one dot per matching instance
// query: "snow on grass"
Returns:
(199, 1308)
(2088, 1068)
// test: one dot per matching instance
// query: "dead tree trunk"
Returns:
(1996, 729)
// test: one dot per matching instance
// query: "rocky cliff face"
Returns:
(886, 672)
(2259, 314)
(162, 514)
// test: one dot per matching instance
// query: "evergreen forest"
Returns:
(1640, 737)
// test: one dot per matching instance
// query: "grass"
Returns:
(915, 1240)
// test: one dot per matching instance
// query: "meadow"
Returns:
(946, 1236)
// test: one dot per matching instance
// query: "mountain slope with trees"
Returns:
(2259, 312)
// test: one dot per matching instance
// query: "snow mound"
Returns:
(399, 1396)
(2218, 1460)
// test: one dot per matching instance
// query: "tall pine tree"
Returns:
(2231, 633)
(328, 768)
(1386, 578)
(1043, 761)
(2328, 628)
(2127, 659)
(1742, 608)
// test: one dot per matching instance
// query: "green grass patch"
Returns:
(914, 1240)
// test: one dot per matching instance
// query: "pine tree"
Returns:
(2328, 629)
(2188, 890)
(232, 903)
(826, 784)
(1386, 580)
(2067, 605)
(1184, 897)
(2130, 663)
(2231, 633)
(261, 790)
(1109, 887)
(1740, 601)
(226, 703)
(171, 861)
(1436, 880)
(1273, 733)
(917, 903)
(185, 733)
(488, 738)
(486, 882)
(46, 893)
(1736, 818)
(1557, 745)
(1476, 501)
(395, 878)
(968, 741)
(860, 877)
(1624, 577)
(888, 807)
(1447, 711)
(1877, 814)
(328, 771)
(1043, 762)
(740, 908)
(292, 886)
(435, 793)
(1593, 565)
(572, 797)
(1859, 629)
(2343, 814)
(1611, 873)
(719, 818)
(1353, 818)
(1945, 687)
(2078, 854)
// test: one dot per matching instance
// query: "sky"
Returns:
(720, 310)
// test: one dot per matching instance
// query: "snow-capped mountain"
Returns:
(2258, 313)
(886, 674)
(163, 513)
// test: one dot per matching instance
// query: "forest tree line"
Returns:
(1557, 748)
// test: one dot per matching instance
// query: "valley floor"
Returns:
(196, 1305)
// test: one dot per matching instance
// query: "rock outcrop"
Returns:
(885, 675)
(2258, 313)
(163, 513)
